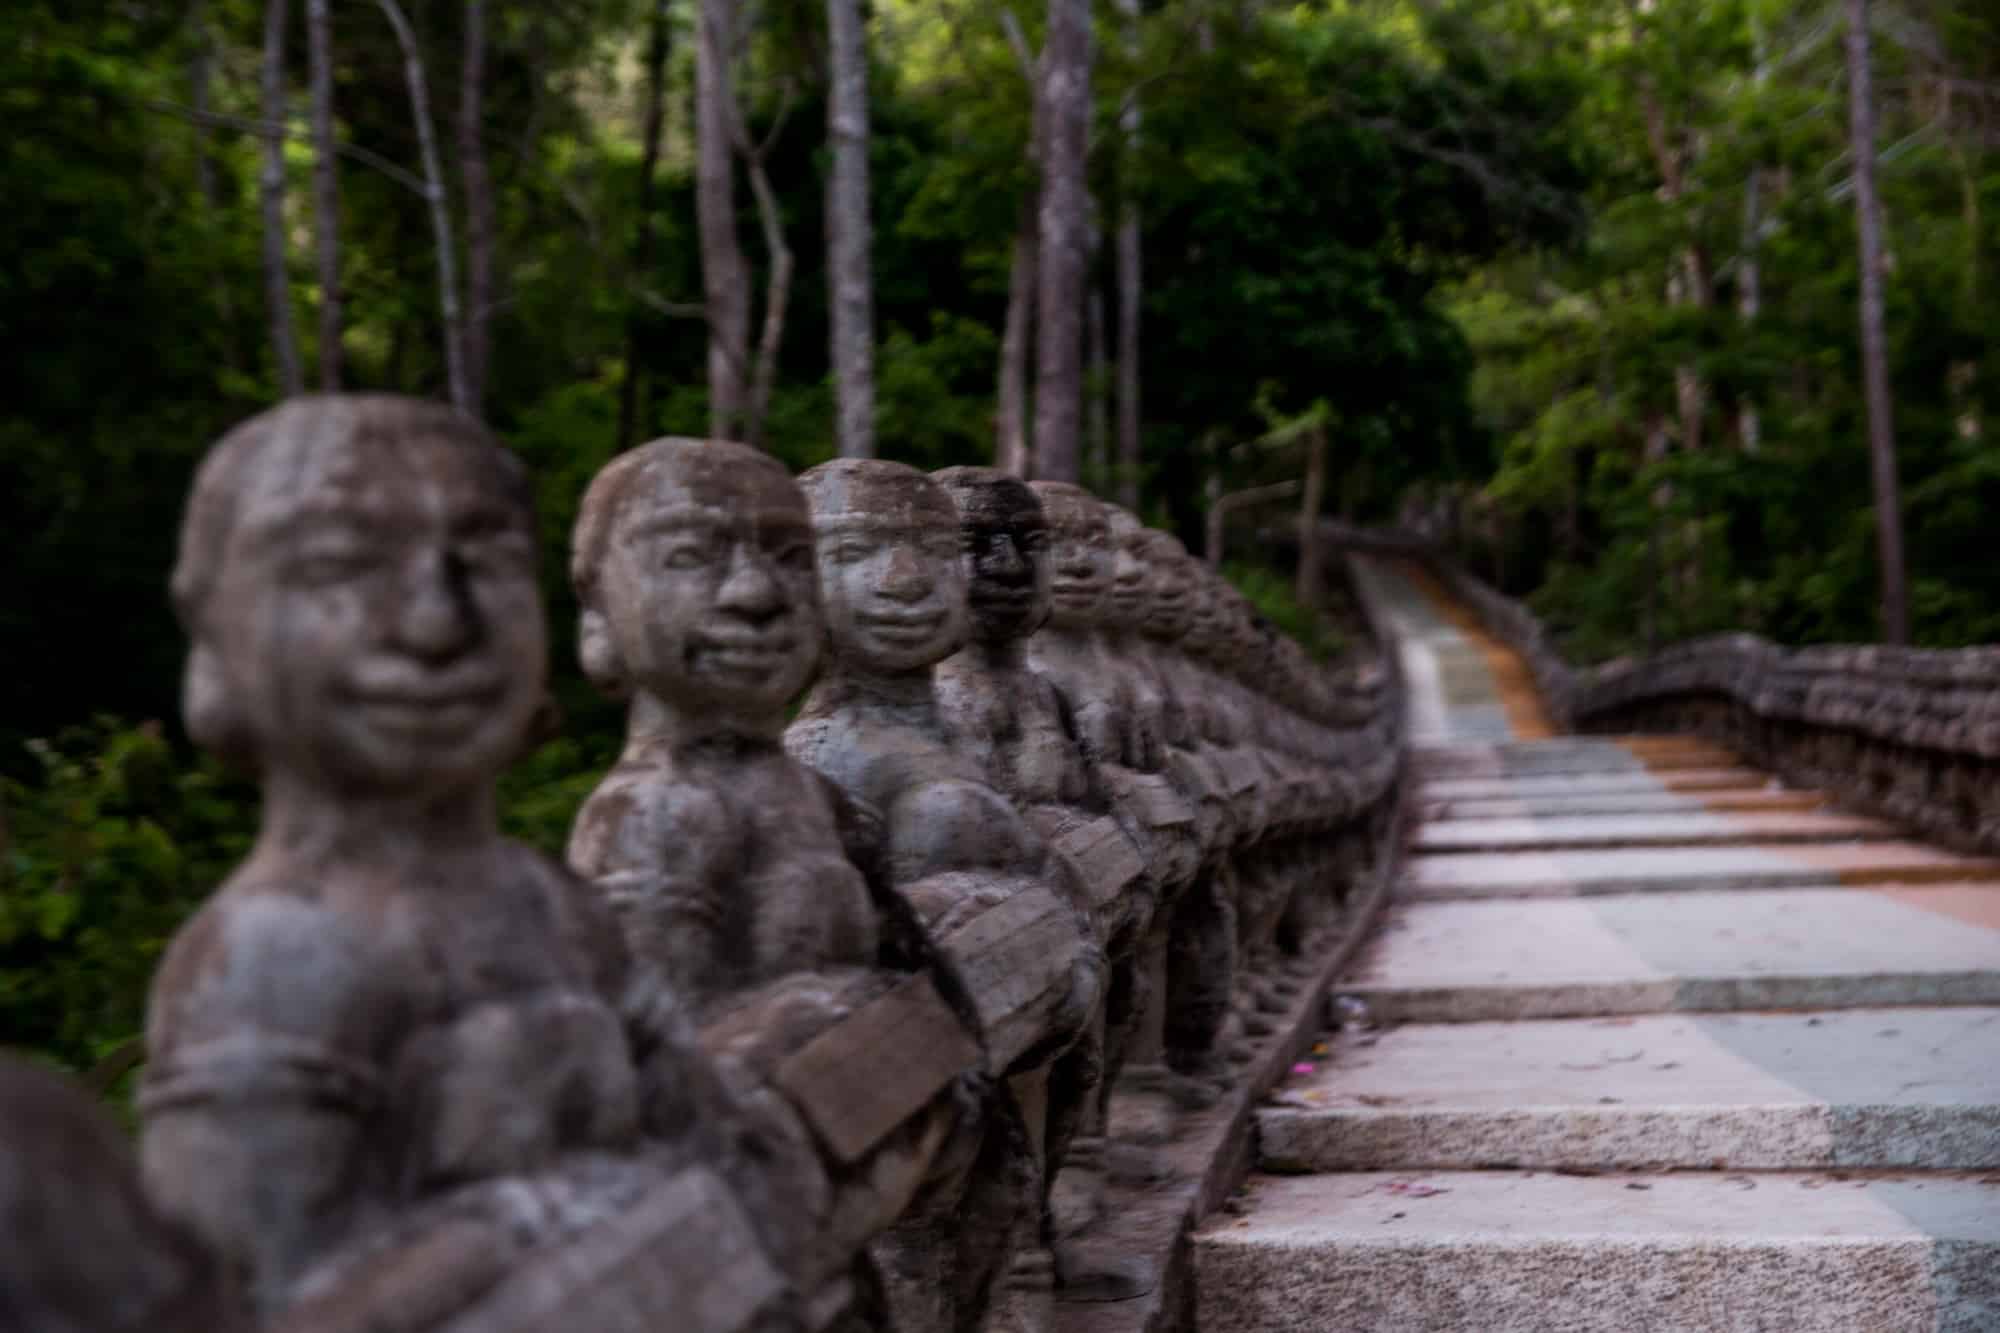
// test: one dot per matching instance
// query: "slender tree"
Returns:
(480, 221)
(271, 189)
(850, 282)
(1874, 346)
(659, 38)
(326, 191)
(1064, 232)
(440, 204)
(1130, 291)
(1011, 445)
(725, 274)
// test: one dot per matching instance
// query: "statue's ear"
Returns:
(598, 652)
(212, 710)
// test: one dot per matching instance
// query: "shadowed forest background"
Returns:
(1575, 284)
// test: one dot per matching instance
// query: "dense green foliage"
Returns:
(1497, 248)
(1722, 140)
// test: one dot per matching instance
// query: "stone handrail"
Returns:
(819, 1018)
(1909, 734)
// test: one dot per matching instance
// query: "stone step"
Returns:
(1828, 948)
(1862, 1088)
(1503, 1251)
(1616, 870)
(1567, 756)
(1669, 831)
(1727, 777)
(1629, 802)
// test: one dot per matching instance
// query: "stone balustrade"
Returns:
(913, 1011)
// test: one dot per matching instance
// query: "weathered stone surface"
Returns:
(1866, 1088)
(1503, 1250)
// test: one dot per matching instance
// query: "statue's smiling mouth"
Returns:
(423, 707)
(746, 651)
(902, 626)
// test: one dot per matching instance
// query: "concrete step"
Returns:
(1617, 870)
(1496, 1252)
(1630, 802)
(1864, 1088)
(1726, 777)
(1827, 948)
(1669, 831)
(1568, 755)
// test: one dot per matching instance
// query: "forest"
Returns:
(1668, 314)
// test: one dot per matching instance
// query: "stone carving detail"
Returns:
(853, 1023)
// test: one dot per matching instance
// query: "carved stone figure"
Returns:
(1025, 734)
(734, 869)
(998, 907)
(399, 1066)
(82, 1250)
(1149, 609)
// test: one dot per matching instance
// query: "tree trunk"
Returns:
(1307, 591)
(479, 208)
(440, 206)
(658, 40)
(1750, 300)
(1874, 349)
(1098, 465)
(326, 191)
(1130, 292)
(271, 187)
(1065, 220)
(725, 275)
(850, 281)
(201, 69)
(1010, 450)
(777, 294)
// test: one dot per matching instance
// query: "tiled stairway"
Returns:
(1647, 1042)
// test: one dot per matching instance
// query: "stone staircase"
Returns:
(1646, 1042)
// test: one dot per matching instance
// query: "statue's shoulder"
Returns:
(644, 813)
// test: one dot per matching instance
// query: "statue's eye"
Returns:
(798, 557)
(847, 552)
(688, 553)
(1034, 543)
(322, 565)
(501, 552)
(942, 547)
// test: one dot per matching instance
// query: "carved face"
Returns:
(373, 621)
(1170, 584)
(1126, 607)
(1207, 613)
(891, 574)
(1006, 550)
(1081, 558)
(704, 592)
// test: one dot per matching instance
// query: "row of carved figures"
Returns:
(818, 1028)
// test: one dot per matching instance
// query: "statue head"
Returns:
(1208, 612)
(693, 563)
(1170, 586)
(1131, 580)
(357, 574)
(891, 566)
(1006, 548)
(1081, 558)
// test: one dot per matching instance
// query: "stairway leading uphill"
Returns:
(1647, 1042)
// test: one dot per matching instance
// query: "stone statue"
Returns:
(734, 869)
(82, 1250)
(1124, 742)
(401, 1072)
(1195, 944)
(999, 908)
(1024, 732)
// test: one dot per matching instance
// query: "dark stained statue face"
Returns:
(1170, 579)
(704, 588)
(1081, 559)
(374, 621)
(1006, 543)
(891, 569)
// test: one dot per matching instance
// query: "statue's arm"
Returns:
(653, 849)
(262, 1085)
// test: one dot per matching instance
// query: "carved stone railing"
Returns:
(816, 1021)
(1909, 734)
